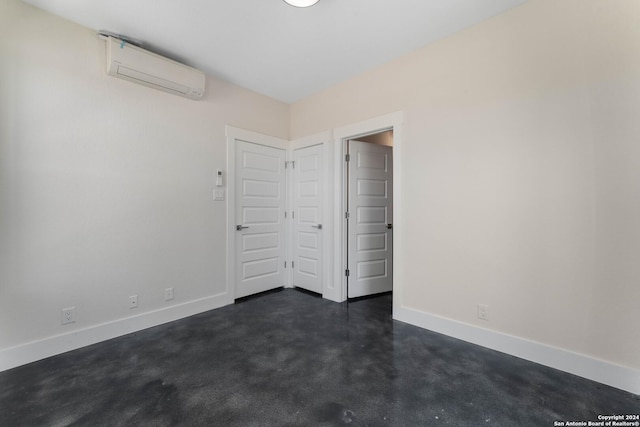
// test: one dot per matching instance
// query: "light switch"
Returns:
(218, 194)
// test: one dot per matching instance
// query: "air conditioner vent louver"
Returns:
(140, 66)
(156, 81)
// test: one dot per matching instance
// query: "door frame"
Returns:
(341, 135)
(334, 281)
(234, 134)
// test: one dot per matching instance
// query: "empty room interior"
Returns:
(367, 213)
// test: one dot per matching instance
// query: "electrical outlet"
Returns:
(168, 294)
(483, 311)
(133, 301)
(68, 315)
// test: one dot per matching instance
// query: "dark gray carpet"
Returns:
(291, 359)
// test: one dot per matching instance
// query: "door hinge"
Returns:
(293, 263)
(346, 272)
(285, 264)
(285, 214)
(293, 164)
(293, 214)
(290, 162)
(347, 157)
(346, 215)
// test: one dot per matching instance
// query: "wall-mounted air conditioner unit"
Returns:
(147, 68)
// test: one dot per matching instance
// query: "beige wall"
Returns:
(520, 175)
(105, 186)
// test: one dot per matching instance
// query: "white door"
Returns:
(370, 206)
(260, 226)
(307, 218)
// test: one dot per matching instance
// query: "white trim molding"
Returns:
(608, 373)
(308, 141)
(234, 133)
(51, 346)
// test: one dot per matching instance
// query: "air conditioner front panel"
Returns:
(140, 66)
(151, 80)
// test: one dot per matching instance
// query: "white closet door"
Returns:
(307, 218)
(260, 206)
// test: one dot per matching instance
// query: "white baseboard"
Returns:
(51, 346)
(621, 377)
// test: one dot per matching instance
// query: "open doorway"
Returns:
(383, 130)
(369, 214)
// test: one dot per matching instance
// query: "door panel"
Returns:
(260, 206)
(370, 203)
(307, 210)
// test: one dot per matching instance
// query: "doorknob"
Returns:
(240, 227)
(390, 226)
(319, 226)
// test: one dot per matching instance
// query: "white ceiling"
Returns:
(270, 47)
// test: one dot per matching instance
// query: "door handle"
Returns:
(389, 226)
(240, 227)
(319, 226)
